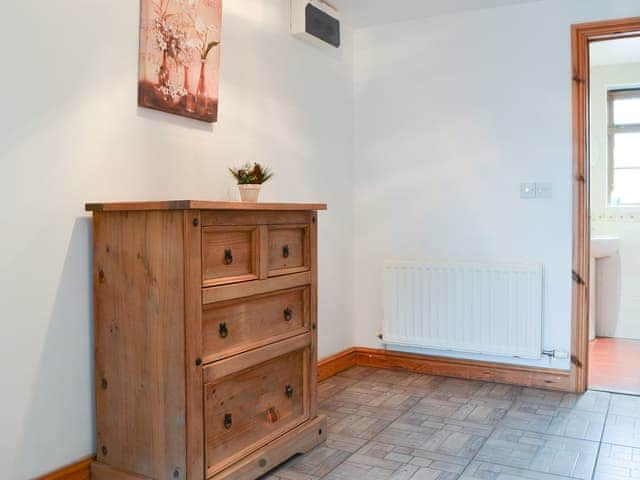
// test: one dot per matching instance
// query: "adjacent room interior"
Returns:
(320, 240)
(614, 332)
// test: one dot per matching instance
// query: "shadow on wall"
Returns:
(175, 120)
(65, 364)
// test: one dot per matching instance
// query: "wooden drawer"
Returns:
(229, 254)
(288, 249)
(253, 398)
(245, 323)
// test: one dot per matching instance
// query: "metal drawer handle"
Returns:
(272, 415)
(288, 314)
(285, 251)
(228, 257)
(228, 421)
(223, 330)
(288, 391)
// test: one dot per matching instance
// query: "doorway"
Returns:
(606, 307)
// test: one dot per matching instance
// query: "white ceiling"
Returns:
(365, 13)
(615, 52)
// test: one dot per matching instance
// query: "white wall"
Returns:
(452, 113)
(617, 302)
(70, 132)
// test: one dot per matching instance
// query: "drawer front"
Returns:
(239, 325)
(246, 410)
(229, 254)
(288, 249)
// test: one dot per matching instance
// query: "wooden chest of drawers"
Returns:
(205, 338)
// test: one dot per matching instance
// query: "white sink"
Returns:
(604, 246)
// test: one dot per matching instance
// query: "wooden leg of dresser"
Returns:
(300, 440)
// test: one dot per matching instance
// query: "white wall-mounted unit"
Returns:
(492, 309)
(316, 21)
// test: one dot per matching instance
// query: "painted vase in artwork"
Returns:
(190, 103)
(202, 96)
(180, 57)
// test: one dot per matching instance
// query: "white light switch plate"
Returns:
(527, 190)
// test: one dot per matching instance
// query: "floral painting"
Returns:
(180, 57)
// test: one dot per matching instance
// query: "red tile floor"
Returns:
(614, 365)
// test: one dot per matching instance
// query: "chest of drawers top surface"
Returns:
(206, 339)
(201, 205)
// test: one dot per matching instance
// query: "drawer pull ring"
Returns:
(288, 390)
(223, 330)
(228, 421)
(228, 257)
(288, 314)
(285, 251)
(272, 415)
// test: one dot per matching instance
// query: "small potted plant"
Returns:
(250, 178)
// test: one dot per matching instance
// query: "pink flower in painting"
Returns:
(178, 38)
(173, 91)
(172, 39)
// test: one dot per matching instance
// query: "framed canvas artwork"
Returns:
(179, 68)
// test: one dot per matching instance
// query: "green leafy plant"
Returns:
(250, 174)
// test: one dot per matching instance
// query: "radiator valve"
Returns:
(555, 354)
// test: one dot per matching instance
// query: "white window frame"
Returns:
(613, 129)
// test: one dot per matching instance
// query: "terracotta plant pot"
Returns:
(249, 193)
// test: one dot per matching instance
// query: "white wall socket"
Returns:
(543, 190)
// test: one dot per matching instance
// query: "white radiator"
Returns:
(491, 309)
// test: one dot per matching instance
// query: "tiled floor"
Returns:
(613, 364)
(396, 425)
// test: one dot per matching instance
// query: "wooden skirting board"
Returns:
(549, 379)
(337, 363)
(77, 471)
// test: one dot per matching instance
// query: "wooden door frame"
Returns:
(581, 36)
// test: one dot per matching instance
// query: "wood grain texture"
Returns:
(288, 249)
(258, 405)
(139, 342)
(220, 369)
(193, 343)
(580, 264)
(100, 471)
(161, 295)
(257, 287)
(242, 245)
(201, 205)
(550, 379)
(79, 470)
(339, 362)
(236, 217)
(312, 360)
(581, 36)
(236, 326)
(263, 252)
(470, 369)
(300, 440)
